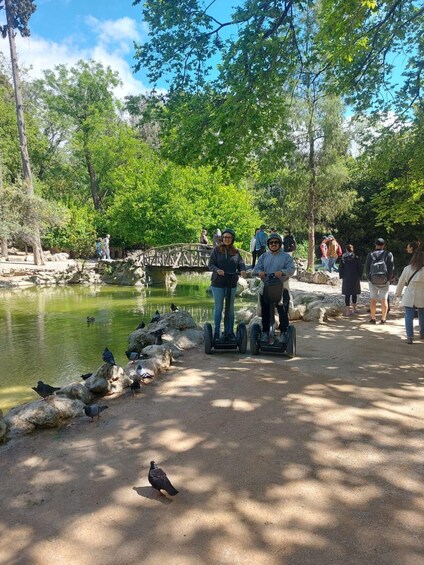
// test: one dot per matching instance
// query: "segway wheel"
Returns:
(255, 334)
(207, 336)
(242, 337)
(291, 342)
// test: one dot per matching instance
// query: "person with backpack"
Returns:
(379, 267)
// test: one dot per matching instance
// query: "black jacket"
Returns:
(350, 271)
(230, 264)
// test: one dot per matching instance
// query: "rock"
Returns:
(242, 285)
(189, 339)
(108, 379)
(42, 414)
(180, 320)
(297, 312)
(245, 314)
(316, 314)
(76, 391)
(3, 428)
(160, 359)
(318, 277)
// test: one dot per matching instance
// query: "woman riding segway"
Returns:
(226, 264)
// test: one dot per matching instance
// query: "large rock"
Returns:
(48, 413)
(77, 391)
(107, 380)
(3, 428)
(189, 338)
(318, 277)
(245, 314)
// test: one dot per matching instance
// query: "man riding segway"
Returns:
(274, 268)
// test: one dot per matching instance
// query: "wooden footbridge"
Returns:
(181, 256)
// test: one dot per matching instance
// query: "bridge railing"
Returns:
(180, 256)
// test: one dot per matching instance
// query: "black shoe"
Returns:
(382, 321)
(372, 321)
(232, 336)
(216, 336)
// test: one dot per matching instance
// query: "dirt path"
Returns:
(318, 459)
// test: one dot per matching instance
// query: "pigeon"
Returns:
(135, 386)
(108, 357)
(85, 376)
(90, 319)
(132, 355)
(158, 336)
(45, 390)
(94, 410)
(174, 308)
(140, 326)
(156, 317)
(158, 479)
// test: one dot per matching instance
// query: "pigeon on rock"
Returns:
(174, 308)
(158, 479)
(94, 410)
(158, 336)
(140, 326)
(45, 390)
(108, 357)
(156, 317)
(85, 376)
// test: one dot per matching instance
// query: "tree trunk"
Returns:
(23, 146)
(94, 185)
(311, 101)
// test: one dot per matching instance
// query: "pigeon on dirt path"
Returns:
(158, 479)
(135, 386)
(94, 410)
(45, 390)
(108, 357)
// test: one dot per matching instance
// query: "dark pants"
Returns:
(347, 299)
(260, 251)
(282, 309)
(254, 253)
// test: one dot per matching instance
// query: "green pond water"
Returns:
(44, 334)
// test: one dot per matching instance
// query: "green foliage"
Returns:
(165, 204)
(78, 235)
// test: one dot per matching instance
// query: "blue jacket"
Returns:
(281, 261)
(261, 239)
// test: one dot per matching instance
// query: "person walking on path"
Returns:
(106, 248)
(261, 239)
(217, 237)
(289, 242)
(350, 271)
(99, 248)
(334, 252)
(379, 267)
(203, 239)
(412, 279)
(226, 264)
(324, 253)
(279, 263)
(253, 248)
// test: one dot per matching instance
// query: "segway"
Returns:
(285, 343)
(225, 341)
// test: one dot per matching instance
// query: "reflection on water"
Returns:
(44, 333)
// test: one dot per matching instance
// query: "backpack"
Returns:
(378, 269)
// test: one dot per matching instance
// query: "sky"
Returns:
(65, 31)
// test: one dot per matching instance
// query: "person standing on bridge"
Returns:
(226, 264)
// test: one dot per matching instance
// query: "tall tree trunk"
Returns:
(94, 185)
(311, 102)
(3, 240)
(35, 240)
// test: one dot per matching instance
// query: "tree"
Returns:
(270, 70)
(82, 100)
(18, 14)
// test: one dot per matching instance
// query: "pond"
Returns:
(45, 335)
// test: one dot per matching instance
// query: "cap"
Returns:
(379, 241)
(230, 231)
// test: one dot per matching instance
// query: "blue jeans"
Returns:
(409, 320)
(331, 263)
(218, 296)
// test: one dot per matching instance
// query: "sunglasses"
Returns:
(274, 243)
